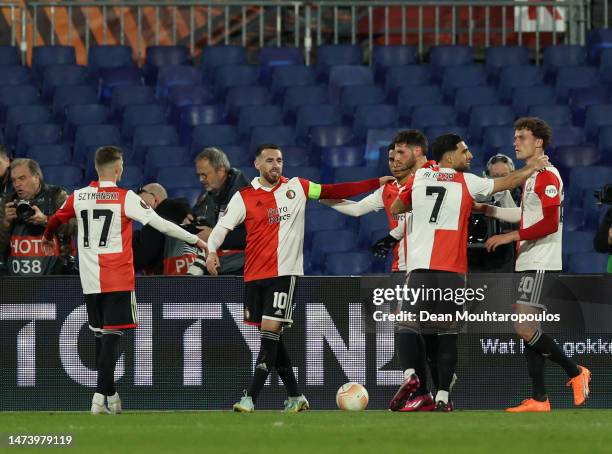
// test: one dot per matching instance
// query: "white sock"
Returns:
(408, 373)
(442, 396)
(114, 398)
(98, 399)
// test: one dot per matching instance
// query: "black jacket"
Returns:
(148, 243)
(210, 205)
(600, 242)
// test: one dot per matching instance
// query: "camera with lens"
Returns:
(604, 195)
(24, 210)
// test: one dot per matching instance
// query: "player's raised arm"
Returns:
(318, 191)
(518, 177)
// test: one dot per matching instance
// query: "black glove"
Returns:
(381, 248)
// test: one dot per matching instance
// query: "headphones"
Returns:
(499, 157)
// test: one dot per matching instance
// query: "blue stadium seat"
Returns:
(525, 97)
(584, 179)
(279, 135)
(132, 178)
(344, 156)
(195, 115)
(295, 157)
(483, 116)
(270, 58)
(384, 57)
(50, 155)
(561, 55)
(249, 95)
(111, 78)
(180, 96)
(573, 219)
(239, 156)
(323, 219)
(348, 263)
(575, 242)
(310, 173)
(570, 157)
(587, 262)
(605, 143)
(346, 75)
(83, 114)
(359, 95)
(324, 242)
(116, 56)
(14, 75)
(566, 136)
(581, 98)
(141, 115)
(43, 56)
(440, 115)
(164, 156)
(124, 96)
(20, 115)
(467, 97)
(17, 95)
(575, 77)
(405, 76)
(409, 98)
(556, 115)
(9, 56)
(374, 116)
(445, 55)
(290, 76)
(329, 55)
(347, 174)
(370, 223)
(331, 136)
(432, 132)
(597, 41)
(605, 67)
(89, 136)
(317, 115)
(465, 76)
(69, 177)
(67, 95)
(159, 56)
(173, 177)
(56, 75)
(597, 116)
(216, 56)
(497, 139)
(296, 97)
(518, 76)
(213, 135)
(252, 116)
(497, 58)
(234, 76)
(169, 76)
(36, 134)
(189, 194)
(153, 136)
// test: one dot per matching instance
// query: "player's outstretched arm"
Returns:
(372, 202)
(341, 190)
(168, 228)
(518, 177)
(511, 215)
(61, 216)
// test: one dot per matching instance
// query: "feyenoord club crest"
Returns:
(290, 194)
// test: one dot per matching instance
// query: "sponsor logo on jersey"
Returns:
(551, 191)
(277, 215)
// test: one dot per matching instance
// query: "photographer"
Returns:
(603, 238)
(220, 183)
(23, 219)
(154, 252)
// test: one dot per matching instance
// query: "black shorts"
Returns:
(269, 298)
(533, 288)
(112, 311)
(437, 308)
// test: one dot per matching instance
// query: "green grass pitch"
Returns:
(379, 432)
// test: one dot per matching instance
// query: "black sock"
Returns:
(265, 362)
(548, 348)
(98, 338)
(106, 364)
(447, 360)
(535, 366)
(407, 347)
(285, 370)
(421, 369)
(431, 348)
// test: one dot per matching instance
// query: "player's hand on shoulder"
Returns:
(384, 180)
(539, 163)
(212, 263)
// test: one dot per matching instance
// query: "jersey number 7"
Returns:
(440, 193)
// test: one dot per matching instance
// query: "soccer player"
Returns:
(539, 253)
(104, 213)
(272, 208)
(441, 200)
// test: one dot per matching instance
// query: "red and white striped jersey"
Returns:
(542, 189)
(441, 200)
(104, 214)
(274, 221)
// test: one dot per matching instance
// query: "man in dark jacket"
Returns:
(154, 252)
(220, 182)
(603, 239)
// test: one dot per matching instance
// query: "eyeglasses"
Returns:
(141, 190)
(499, 158)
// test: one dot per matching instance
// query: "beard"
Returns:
(271, 178)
